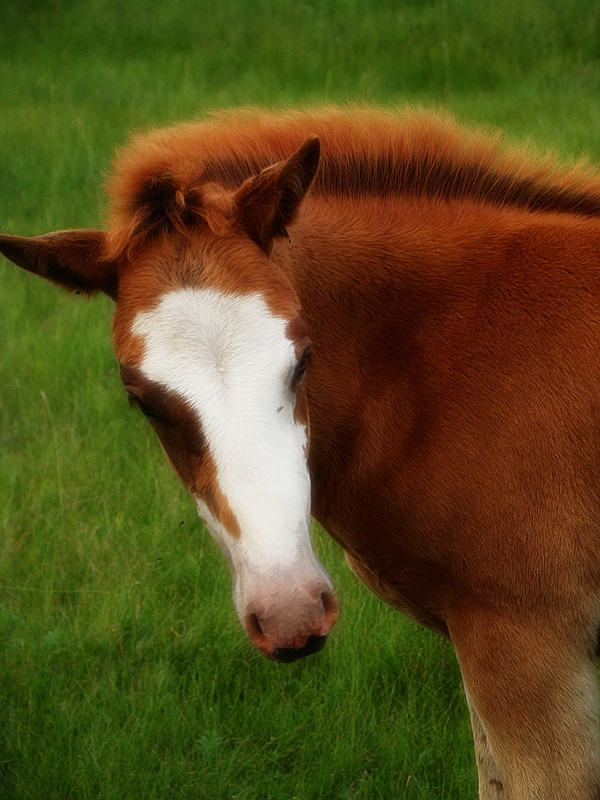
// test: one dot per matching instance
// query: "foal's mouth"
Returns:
(286, 655)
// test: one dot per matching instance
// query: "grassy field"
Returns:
(123, 670)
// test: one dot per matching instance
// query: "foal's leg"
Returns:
(490, 783)
(534, 692)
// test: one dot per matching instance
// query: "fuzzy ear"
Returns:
(73, 259)
(268, 202)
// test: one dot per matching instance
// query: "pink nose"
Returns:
(291, 626)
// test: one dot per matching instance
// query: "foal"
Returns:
(387, 322)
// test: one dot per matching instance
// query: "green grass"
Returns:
(124, 672)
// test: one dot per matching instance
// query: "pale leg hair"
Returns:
(490, 782)
(533, 694)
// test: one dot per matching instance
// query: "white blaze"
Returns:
(229, 358)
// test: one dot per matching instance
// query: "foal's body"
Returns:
(477, 512)
(453, 393)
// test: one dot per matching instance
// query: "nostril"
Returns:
(330, 605)
(255, 632)
(253, 625)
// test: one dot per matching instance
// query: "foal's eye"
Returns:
(301, 367)
(134, 400)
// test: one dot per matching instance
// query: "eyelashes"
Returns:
(135, 402)
(300, 368)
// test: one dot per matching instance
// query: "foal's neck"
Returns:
(379, 283)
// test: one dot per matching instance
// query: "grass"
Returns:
(124, 673)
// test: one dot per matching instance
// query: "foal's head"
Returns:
(213, 351)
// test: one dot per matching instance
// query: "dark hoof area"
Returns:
(287, 654)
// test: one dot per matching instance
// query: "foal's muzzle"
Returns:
(291, 620)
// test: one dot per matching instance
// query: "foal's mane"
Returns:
(157, 179)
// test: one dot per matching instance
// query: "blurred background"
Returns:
(124, 672)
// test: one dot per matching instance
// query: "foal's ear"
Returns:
(73, 259)
(268, 202)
